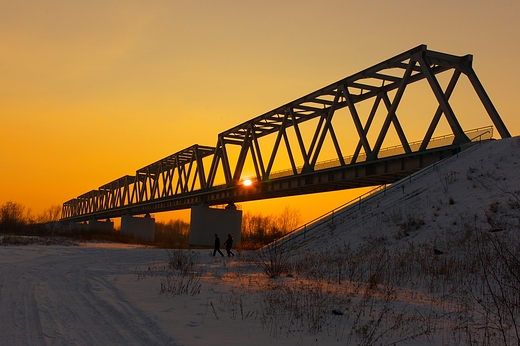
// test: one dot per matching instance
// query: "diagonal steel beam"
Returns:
(327, 128)
(391, 112)
(397, 125)
(437, 116)
(484, 98)
(425, 64)
(371, 116)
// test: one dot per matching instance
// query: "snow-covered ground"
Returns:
(376, 274)
(102, 294)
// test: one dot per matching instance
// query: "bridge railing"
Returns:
(327, 221)
(436, 142)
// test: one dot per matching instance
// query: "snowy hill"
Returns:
(479, 188)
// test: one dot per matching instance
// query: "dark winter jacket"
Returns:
(229, 242)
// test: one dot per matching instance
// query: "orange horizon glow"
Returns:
(91, 92)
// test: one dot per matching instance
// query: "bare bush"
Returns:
(411, 223)
(446, 179)
(496, 290)
(233, 303)
(180, 276)
(183, 283)
(300, 307)
(273, 260)
(182, 260)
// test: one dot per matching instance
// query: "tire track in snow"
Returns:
(19, 321)
(60, 299)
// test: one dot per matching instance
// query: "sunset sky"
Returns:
(91, 91)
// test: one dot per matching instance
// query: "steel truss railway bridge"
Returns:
(191, 176)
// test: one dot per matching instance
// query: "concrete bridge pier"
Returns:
(92, 225)
(101, 226)
(205, 222)
(142, 228)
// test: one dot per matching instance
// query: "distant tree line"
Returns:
(16, 219)
(258, 230)
(174, 233)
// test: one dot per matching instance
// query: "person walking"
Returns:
(217, 246)
(229, 244)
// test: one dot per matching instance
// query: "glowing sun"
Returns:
(248, 182)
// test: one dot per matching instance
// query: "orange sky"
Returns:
(92, 91)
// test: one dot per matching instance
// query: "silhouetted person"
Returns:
(229, 244)
(217, 246)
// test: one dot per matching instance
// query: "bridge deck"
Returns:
(383, 171)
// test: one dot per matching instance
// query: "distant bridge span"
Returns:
(190, 176)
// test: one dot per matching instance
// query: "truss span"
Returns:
(190, 175)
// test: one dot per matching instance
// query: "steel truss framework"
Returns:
(183, 173)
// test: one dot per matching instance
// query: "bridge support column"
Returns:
(205, 222)
(92, 225)
(78, 227)
(142, 228)
(101, 226)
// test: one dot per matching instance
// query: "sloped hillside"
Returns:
(433, 259)
(478, 189)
